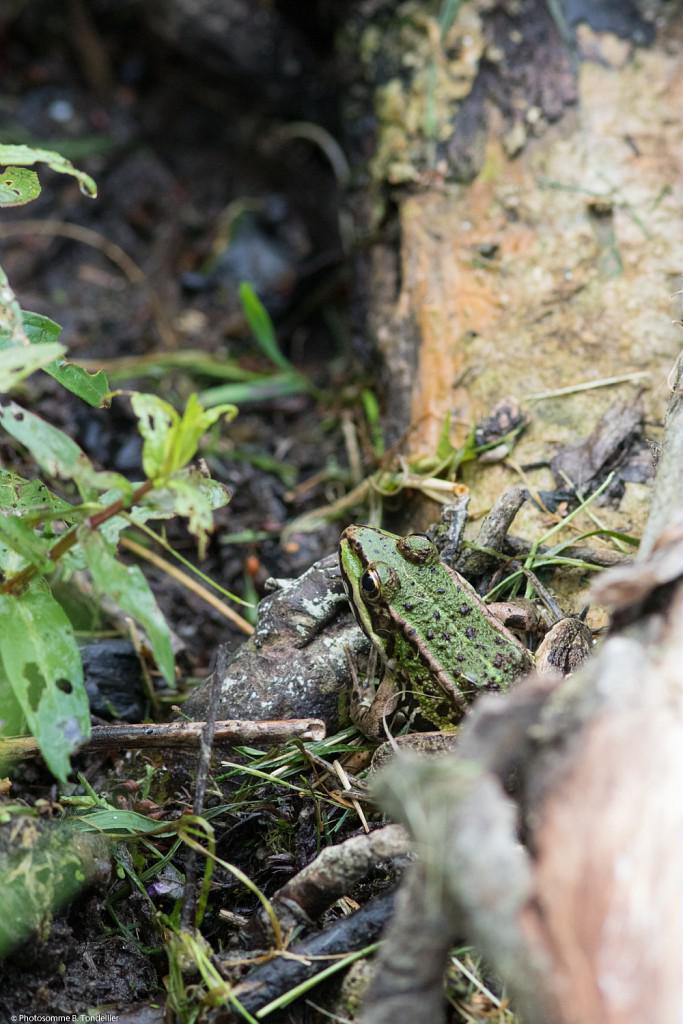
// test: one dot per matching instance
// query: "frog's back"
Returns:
(461, 632)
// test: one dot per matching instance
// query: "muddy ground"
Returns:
(209, 174)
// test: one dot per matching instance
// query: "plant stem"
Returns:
(17, 583)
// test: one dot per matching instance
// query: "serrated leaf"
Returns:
(55, 452)
(42, 663)
(92, 388)
(25, 156)
(18, 186)
(127, 586)
(156, 422)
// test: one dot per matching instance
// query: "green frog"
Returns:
(439, 643)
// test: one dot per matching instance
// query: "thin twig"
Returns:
(589, 385)
(205, 749)
(182, 734)
(77, 233)
(17, 583)
(189, 583)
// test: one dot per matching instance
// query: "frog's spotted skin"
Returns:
(434, 633)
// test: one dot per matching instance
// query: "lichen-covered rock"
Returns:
(295, 665)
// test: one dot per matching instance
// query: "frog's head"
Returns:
(374, 564)
(367, 558)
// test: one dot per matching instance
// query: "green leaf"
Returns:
(55, 452)
(444, 448)
(42, 664)
(156, 422)
(23, 539)
(195, 497)
(127, 586)
(195, 422)
(18, 186)
(112, 529)
(17, 359)
(28, 155)
(20, 497)
(103, 820)
(93, 388)
(275, 385)
(372, 415)
(12, 720)
(169, 441)
(22, 360)
(261, 325)
(11, 325)
(40, 329)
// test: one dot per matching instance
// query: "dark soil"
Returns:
(176, 146)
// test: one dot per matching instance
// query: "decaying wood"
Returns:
(332, 874)
(308, 958)
(492, 533)
(43, 868)
(548, 263)
(583, 919)
(584, 465)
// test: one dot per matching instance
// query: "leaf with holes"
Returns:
(194, 496)
(18, 186)
(55, 452)
(127, 586)
(30, 499)
(157, 421)
(21, 361)
(27, 542)
(27, 155)
(42, 666)
(170, 441)
(93, 388)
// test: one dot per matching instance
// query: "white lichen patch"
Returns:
(430, 73)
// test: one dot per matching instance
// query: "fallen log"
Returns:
(552, 840)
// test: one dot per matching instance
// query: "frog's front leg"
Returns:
(370, 707)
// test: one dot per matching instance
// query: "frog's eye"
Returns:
(370, 585)
(419, 549)
(378, 580)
